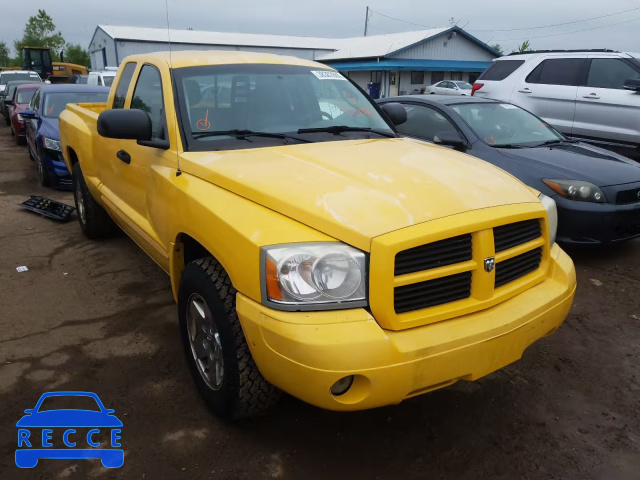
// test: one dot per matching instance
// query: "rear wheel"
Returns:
(217, 352)
(94, 221)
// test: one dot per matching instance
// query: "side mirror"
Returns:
(632, 84)
(28, 114)
(125, 124)
(396, 112)
(450, 139)
(8, 102)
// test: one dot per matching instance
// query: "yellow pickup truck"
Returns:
(310, 248)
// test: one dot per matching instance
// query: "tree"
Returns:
(497, 47)
(40, 31)
(526, 46)
(74, 53)
(4, 55)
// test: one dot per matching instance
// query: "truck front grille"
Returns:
(434, 255)
(432, 292)
(446, 270)
(516, 267)
(513, 234)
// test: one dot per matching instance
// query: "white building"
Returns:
(400, 62)
(404, 62)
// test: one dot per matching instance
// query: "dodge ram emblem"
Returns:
(489, 264)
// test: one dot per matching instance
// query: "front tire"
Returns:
(44, 176)
(217, 352)
(94, 221)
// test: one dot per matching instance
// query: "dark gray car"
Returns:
(597, 191)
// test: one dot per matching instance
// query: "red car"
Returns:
(20, 102)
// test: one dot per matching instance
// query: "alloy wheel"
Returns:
(204, 340)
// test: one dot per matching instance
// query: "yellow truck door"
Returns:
(130, 165)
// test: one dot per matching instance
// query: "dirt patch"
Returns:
(99, 316)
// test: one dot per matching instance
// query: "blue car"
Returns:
(42, 426)
(43, 134)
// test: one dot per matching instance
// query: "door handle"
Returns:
(124, 156)
(525, 90)
(591, 95)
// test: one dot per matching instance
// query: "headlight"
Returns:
(552, 215)
(51, 144)
(577, 190)
(314, 276)
(20, 119)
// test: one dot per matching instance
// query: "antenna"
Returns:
(175, 129)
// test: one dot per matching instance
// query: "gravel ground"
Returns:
(99, 316)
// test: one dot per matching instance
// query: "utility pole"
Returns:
(366, 22)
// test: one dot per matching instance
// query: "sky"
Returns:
(77, 19)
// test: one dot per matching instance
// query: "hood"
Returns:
(354, 190)
(579, 161)
(50, 128)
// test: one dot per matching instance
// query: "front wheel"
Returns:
(217, 352)
(94, 221)
(43, 174)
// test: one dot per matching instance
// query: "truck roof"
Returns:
(193, 58)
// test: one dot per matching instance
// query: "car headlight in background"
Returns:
(51, 144)
(20, 119)
(576, 190)
(552, 215)
(314, 276)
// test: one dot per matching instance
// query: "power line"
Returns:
(517, 29)
(398, 20)
(560, 24)
(568, 33)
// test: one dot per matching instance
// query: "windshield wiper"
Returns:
(556, 142)
(242, 134)
(338, 129)
(510, 145)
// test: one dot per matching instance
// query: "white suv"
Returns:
(589, 94)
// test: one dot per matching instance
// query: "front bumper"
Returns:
(305, 353)
(586, 223)
(58, 172)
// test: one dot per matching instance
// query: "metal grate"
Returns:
(628, 196)
(514, 234)
(434, 255)
(432, 292)
(517, 267)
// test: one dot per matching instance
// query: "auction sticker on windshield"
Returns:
(328, 75)
(56, 428)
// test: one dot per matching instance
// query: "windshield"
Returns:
(463, 85)
(270, 98)
(108, 80)
(82, 79)
(55, 103)
(25, 95)
(499, 124)
(69, 402)
(8, 77)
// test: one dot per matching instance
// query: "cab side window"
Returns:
(147, 97)
(610, 73)
(425, 122)
(123, 85)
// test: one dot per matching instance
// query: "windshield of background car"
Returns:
(499, 124)
(25, 95)
(108, 81)
(66, 402)
(463, 85)
(8, 77)
(270, 98)
(55, 102)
